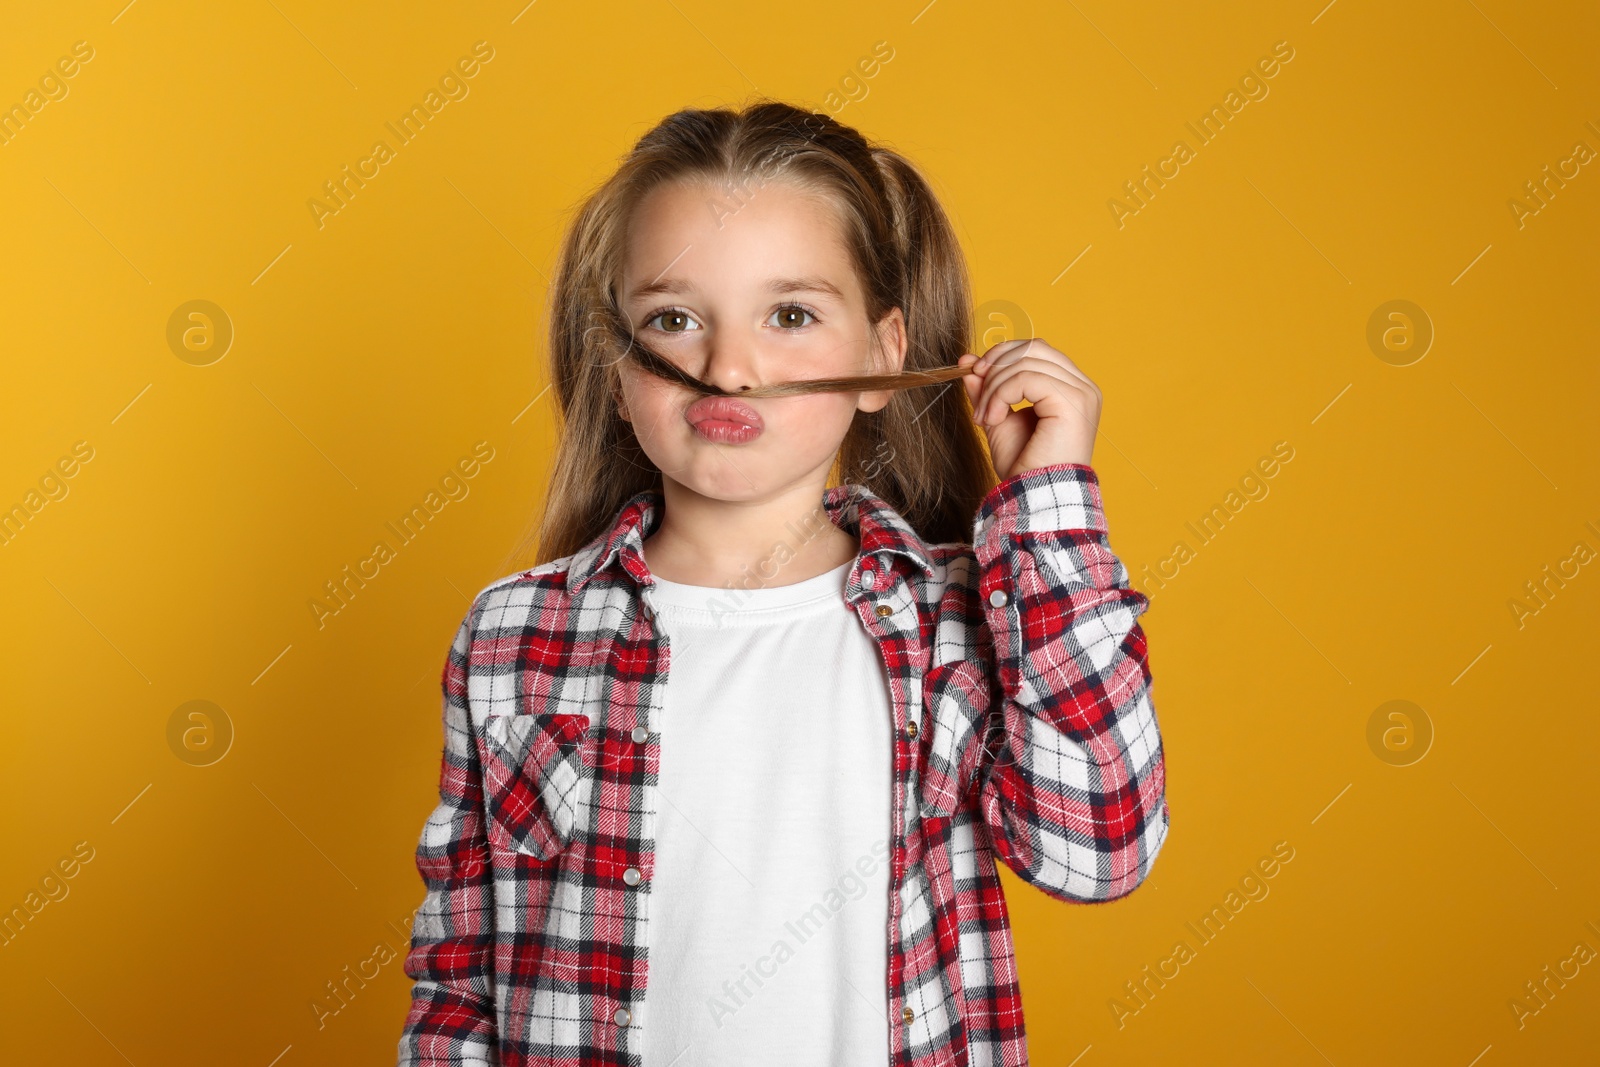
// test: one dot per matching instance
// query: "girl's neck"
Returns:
(785, 539)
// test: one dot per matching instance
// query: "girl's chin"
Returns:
(713, 477)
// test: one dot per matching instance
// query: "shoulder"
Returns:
(514, 599)
(518, 622)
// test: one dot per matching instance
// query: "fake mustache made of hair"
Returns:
(622, 339)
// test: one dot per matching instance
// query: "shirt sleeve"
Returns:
(1071, 776)
(451, 1018)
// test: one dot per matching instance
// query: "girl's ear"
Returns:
(892, 341)
(621, 404)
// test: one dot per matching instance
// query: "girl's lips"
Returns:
(724, 419)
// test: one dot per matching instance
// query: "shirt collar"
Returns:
(853, 508)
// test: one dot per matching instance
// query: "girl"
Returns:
(726, 774)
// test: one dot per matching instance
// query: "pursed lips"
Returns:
(724, 420)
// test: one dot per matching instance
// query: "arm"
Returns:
(1071, 776)
(452, 1019)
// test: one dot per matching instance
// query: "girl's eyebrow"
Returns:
(811, 284)
(677, 287)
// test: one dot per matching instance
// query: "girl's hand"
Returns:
(1060, 427)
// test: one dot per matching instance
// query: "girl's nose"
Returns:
(731, 362)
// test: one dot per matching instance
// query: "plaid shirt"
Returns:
(1023, 730)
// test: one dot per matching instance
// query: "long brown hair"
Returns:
(921, 453)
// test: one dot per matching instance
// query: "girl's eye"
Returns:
(673, 321)
(676, 320)
(792, 316)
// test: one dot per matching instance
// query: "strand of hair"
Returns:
(650, 361)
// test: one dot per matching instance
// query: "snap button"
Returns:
(621, 1017)
(640, 735)
(868, 578)
(907, 1014)
(911, 728)
(632, 876)
(885, 610)
(998, 598)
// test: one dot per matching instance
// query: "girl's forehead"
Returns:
(695, 234)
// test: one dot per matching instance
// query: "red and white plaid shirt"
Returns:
(1023, 730)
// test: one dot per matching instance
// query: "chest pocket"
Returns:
(537, 780)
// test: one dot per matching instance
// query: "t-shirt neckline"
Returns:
(827, 586)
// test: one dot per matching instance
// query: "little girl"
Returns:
(726, 775)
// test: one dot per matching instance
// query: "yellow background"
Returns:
(1230, 313)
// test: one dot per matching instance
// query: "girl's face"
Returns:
(742, 297)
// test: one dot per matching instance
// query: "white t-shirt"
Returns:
(769, 905)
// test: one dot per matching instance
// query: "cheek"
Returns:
(649, 400)
(821, 418)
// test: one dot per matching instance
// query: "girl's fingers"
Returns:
(1047, 393)
(997, 354)
(1000, 383)
(1008, 352)
(1002, 388)
(972, 382)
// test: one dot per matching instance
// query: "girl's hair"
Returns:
(921, 453)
